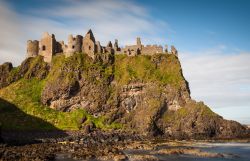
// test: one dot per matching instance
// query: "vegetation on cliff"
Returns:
(25, 96)
(144, 94)
(160, 68)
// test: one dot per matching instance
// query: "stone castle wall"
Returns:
(32, 48)
(137, 49)
(74, 45)
(151, 49)
(89, 45)
(174, 51)
(48, 47)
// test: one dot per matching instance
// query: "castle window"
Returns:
(73, 47)
(89, 47)
(44, 48)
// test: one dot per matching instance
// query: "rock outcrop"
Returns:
(30, 68)
(146, 94)
(5, 72)
(144, 106)
(196, 120)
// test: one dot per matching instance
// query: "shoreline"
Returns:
(46, 136)
(101, 146)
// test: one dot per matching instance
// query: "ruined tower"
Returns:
(99, 47)
(109, 48)
(166, 49)
(138, 41)
(74, 45)
(88, 45)
(174, 51)
(47, 46)
(60, 47)
(116, 47)
(32, 48)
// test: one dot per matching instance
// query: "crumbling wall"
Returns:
(174, 51)
(74, 45)
(131, 50)
(32, 48)
(109, 48)
(88, 45)
(151, 49)
(59, 47)
(99, 48)
(47, 46)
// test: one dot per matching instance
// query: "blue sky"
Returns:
(212, 36)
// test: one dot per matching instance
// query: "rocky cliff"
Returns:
(143, 94)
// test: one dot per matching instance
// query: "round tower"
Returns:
(32, 48)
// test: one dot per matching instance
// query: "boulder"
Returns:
(5, 73)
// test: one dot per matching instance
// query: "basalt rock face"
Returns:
(117, 90)
(4, 72)
(147, 95)
(197, 121)
(30, 68)
(77, 82)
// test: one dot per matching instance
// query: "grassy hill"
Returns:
(25, 93)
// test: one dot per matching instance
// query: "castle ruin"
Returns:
(48, 47)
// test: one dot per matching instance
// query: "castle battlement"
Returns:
(48, 47)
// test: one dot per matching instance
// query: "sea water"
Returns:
(235, 151)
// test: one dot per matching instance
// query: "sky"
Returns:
(211, 36)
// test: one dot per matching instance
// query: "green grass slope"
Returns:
(25, 93)
(161, 68)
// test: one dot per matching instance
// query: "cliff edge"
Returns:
(144, 94)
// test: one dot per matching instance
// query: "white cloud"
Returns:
(11, 36)
(220, 80)
(109, 20)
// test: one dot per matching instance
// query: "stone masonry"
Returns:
(32, 48)
(48, 47)
(74, 45)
